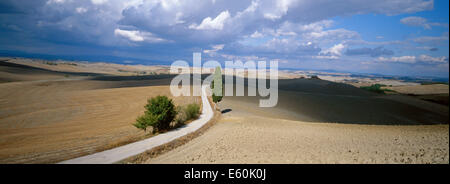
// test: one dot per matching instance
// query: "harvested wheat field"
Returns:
(253, 139)
(246, 137)
(50, 120)
(318, 121)
(421, 89)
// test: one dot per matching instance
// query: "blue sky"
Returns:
(373, 36)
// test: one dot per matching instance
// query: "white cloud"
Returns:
(137, 36)
(256, 34)
(336, 34)
(426, 58)
(271, 16)
(55, 1)
(416, 21)
(211, 24)
(81, 10)
(131, 35)
(413, 59)
(401, 59)
(432, 39)
(279, 9)
(252, 7)
(310, 31)
(214, 49)
(280, 32)
(283, 45)
(334, 51)
(317, 26)
(288, 29)
(420, 22)
(98, 2)
(178, 17)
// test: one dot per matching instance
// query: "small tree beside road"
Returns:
(217, 86)
(159, 113)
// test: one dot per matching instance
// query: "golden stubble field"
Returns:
(244, 136)
(54, 119)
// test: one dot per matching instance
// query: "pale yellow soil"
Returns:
(256, 139)
(249, 134)
(90, 67)
(49, 117)
(46, 122)
(421, 89)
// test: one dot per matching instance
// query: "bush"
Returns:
(160, 111)
(376, 88)
(144, 121)
(181, 117)
(216, 99)
(191, 111)
(315, 77)
(51, 63)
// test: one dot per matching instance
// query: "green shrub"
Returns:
(181, 116)
(376, 88)
(51, 63)
(216, 99)
(189, 112)
(160, 111)
(144, 121)
(192, 111)
(315, 77)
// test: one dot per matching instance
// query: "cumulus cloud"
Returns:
(401, 59)
(332, 35)
(131, 35)
(210, 24)
(420, 22)
(435, 40)
(214, 49)
(137, 36)
(332, 53)
(81, 10)
(98, 2)
(55, 1)
(289, 29)
(280, 9)
(426, 58)
(413, 59)
(256, 34)
(373, 52)
(416, 21)
(312, 30)
(229, 20)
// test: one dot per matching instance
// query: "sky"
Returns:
(390, 37)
